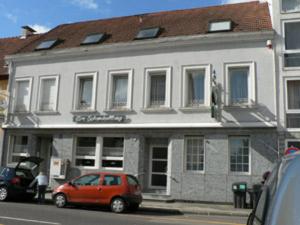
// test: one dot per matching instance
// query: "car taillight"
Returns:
(15, 180)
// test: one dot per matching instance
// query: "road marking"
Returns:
(26, 220)
(197, 221)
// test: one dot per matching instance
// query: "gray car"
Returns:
(280, 198)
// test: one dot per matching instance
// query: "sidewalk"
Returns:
(187, 208)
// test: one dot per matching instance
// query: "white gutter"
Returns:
(272, 124)
(159, 43)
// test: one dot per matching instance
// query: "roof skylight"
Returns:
(148, 33)
(93, 39)
(216, 26)
(46, 44)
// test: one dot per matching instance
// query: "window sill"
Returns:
(157, 110)
(46, 113)
(195, 109)
(22, 113)
(83, 111)
(118, 110)
(239, 173)
(240, 107)
(195, 172)
(111, 169)
(291, 68)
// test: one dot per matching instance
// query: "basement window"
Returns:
(93, 39)
(148, 33)
(218, 26)
(46, 44)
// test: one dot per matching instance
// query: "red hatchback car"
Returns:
(119, 191)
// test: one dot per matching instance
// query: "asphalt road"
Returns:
(12, 213)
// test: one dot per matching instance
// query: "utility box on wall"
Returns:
(58, 168)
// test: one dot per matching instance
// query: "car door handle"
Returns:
(99, 189)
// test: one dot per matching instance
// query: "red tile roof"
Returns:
(246, 17)
(10, 46)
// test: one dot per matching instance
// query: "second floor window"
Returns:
(85, 91)
(196, 87)
(157, 90)
(48, 94)
(290, 5)
(23, 95)
(119, 95)
(292, 45)
(238, 81)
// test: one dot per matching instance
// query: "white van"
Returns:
(279, 203)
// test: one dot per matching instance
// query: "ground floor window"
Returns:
(85, 155)
(194, 153)
(239, 154)
(19, 148)
(293, 143)
(112, 153)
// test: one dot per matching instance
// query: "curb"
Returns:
(193, 212)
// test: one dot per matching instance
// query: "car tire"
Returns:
(134, 207)
(118, 205)
(60, 200)
(3, 193)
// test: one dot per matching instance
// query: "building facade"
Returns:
(138, 97)
(287, 26)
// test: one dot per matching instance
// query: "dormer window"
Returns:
(148, 33)
(219, 26)
(93, 39)
(46, 44)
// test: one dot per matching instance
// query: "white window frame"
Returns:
(30, 79)
(286, 12)
(40, 91)
(287, 110)
(111, 157)
(148, 74)
(249, 156)
(185, 155)
(11, 140)
(111, 75)
(78, 76)
(207, 85)
(251, 83)
(97, 152)
(285, 51)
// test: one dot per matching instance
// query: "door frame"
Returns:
(150, 166)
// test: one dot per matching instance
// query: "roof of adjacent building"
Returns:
(245, 17)
(10, 46)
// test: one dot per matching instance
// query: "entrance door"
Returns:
(44, 150)
(158, 167)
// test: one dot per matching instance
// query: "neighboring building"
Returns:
(9, 46)
(287, 26)
(133, 94)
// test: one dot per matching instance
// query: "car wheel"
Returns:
(134, 207)
(60, 200)
(3, 193)
(117, 205)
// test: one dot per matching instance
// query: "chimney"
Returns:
(27, 31)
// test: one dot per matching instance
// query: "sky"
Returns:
(43, 15)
